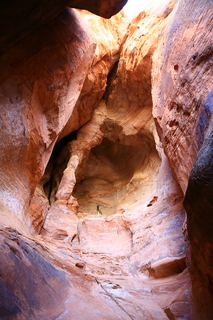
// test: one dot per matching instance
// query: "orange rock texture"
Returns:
(182, 107)
(106, 162)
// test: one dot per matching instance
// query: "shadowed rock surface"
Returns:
(19, 17)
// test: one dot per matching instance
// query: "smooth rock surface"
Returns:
(199, 207)
(36, 284)
(40, 85)
(101, 124)
(183, 105)
(182, 85)
(108, 39)
(18, 17)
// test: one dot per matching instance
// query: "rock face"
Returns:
(36, 101)
(102, 122)
(20, 17)
(182, 86)
(25, 275)
(182, 96)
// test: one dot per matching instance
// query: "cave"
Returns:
(116, 177)
(106, 160)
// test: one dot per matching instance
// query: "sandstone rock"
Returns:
(182, 101)
(182, 98)
(108, 38)
(33, 288)
(102, 8)
(60, 223)
(19, 18)
(124, 186)
(40, 85)
(38, 209)
(122, 139)
(96, 235)
(199, 207)
(111, 244)
(167, 267)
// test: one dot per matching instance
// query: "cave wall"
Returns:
(38, 94)
(19, 17)
(182, 85)
(102, 122)
(182, 98)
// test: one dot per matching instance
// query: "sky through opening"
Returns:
(136, 6)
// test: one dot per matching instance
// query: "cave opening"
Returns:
(135, 6)
(116, 176)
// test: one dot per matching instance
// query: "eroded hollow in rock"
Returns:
(117, 175)
(56, 165)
